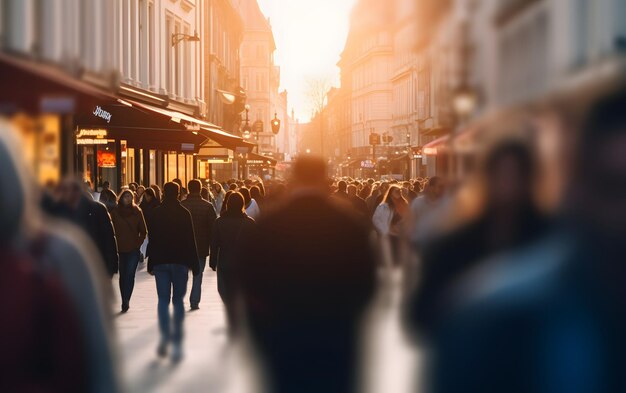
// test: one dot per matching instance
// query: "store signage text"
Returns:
(192, 127)
(92, 137)
(101, 113)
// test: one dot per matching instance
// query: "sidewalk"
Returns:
(212, 365)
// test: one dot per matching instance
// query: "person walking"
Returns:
(308, 277)
(389, 219)
(252, 207)
(203, 216)
(172, 253)
(230, 232)
(130, 232)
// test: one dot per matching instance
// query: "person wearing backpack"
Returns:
(130, 232)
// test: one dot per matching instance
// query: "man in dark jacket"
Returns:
(173, 253)
(203, 216)
(308, 277)
(93, 217)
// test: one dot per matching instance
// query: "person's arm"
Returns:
(215, 245)
(110, 253)
(143, 230)
(381, 219)
(189, 234)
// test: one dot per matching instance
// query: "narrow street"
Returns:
(212, 365)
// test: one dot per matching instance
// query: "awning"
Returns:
(257, 159)
(35, 87)
(227, 97)
(432, 148)
(150, 126)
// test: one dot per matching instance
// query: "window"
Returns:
(151, 45)
(168, 59)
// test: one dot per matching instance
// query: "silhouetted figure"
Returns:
(92, 217)
(308, 275)
(203, 216)
(173, 253)
(551, 317)
(510, 219)
(231, 234)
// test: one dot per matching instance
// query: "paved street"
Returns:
(211, 365)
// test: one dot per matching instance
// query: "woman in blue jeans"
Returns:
(172, 250)
(130, 232)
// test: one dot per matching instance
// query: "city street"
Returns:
(212, 365)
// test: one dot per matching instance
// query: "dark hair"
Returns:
(255, 193)
(177, 181)
(519, 151)
(194, 186)
(387, 198)
(342, 186)
(310, 170)
(246, 195)
(157, 192)
(121, 196)
(106, 183)
(204, 193)
(225, 201)
(235, 205)
(171, 191)
(232, 187)
(434, 181)
(149, 191)
(261, 188)
(107, 196)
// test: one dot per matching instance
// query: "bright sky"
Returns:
(310, 35)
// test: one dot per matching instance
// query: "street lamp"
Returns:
(179, 37)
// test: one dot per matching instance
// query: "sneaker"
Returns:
(125, 308)
(177, 353)
(195, 307)
(162, 349)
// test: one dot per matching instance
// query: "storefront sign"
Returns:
(106, 159)
(92, 137)
(187, 147)
(101, 113)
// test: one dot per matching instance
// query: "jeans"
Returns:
(196, 286)
(171, 282)
(128, 267)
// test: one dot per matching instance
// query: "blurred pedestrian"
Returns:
(93, 218)
(130, 232)
(219, 193)
(203, 216)
(108, 199)
(231, 233)
(252, 207)
(308, 276)
(390, 220)
(172, 253)
(509, 219)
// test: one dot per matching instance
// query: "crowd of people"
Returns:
(511, 296)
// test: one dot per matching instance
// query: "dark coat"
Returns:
(308, 276)
(172, 239)
(448, 259)
(203, 216)
(95, 220)
(230, 235)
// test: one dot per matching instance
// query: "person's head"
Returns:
(352, 190)
(255, 193)
(217, 187)
(235, 204)
(366, 191)
(132, 186)
(148, 195)
(70, 191)
(157, 192)
(393, 196)
(106, 185)
(233, 187)
(179, 182)
(434, 187)
(509, 171)
(170, 191)
(246, 195)
(310, 172)
(204, 193)
(126, 199)
(599, 181)
(225, 202)
(194, 187)
(183, 193)
(342, 186)
(140, 191)
(261, 187)
(406, 185)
